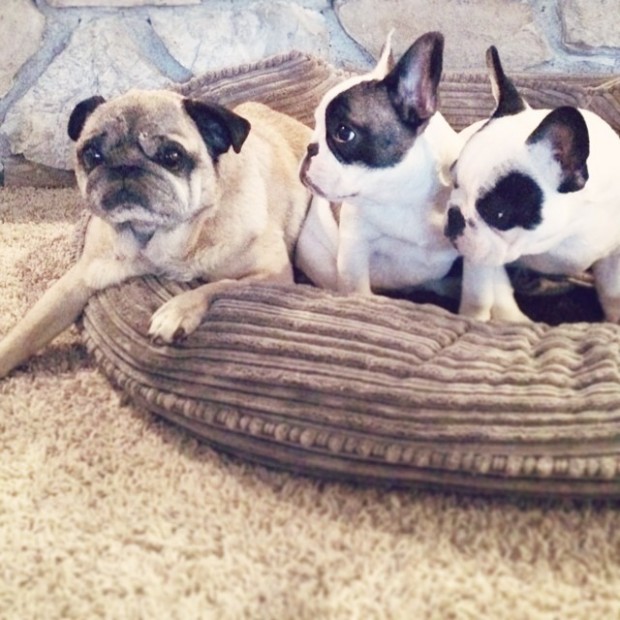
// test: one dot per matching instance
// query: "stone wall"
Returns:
(57, 52)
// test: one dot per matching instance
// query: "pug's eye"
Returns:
(91, 157)
(344, 133)
(171, 157)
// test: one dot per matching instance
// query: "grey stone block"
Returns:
(21, 29)
(102, 58)
(591, 24)
(205, 38)
(118, 3)
(469, 27)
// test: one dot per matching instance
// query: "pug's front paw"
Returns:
(177, 318)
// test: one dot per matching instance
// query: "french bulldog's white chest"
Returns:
(402, 246)
(396, 264)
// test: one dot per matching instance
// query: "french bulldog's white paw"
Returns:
(510, 314)
(177, 318)
(613, 317)
(475, 311)
(611, 307)
(354, 287)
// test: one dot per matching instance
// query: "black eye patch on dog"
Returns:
(516, 200)
(362, 127)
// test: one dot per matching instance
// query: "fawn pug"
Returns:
(178, 188)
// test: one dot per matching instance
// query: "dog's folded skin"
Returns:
(382, 151)
(540, 187)
(181, 189)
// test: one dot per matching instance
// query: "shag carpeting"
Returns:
(108, 512)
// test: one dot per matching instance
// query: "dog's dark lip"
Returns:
(312, 187)
(321, 194)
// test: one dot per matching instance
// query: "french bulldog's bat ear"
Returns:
(80, 113)
(412, 84)
(219, 127)
(507, 98)
(563, 136)
(386, 60)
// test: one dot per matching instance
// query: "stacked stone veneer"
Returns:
(56, 52)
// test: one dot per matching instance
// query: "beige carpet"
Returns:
(107, 512)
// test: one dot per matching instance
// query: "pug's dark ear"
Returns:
(219, 127)
(563, 136)
(80, 113)
(412, 84)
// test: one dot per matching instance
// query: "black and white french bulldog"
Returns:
(178, 188)
(541, 187)
(378, 167)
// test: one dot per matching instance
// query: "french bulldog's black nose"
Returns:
(313, 149)
(455, 224)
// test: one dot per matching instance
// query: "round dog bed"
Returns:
(383, 389)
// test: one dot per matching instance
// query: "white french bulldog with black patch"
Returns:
(378, 166)
(541, 187)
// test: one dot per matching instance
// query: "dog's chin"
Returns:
(140, 231)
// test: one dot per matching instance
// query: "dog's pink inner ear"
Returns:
(413, 82)
(564, 133)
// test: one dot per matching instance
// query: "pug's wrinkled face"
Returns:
(146, 160)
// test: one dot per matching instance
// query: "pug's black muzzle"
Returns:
(122, 198)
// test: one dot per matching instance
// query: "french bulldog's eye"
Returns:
(344, 133)
(91, 157)
(171, 157)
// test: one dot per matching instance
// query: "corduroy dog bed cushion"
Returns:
(380, 389)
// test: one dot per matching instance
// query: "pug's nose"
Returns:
(126, 172)
(455, 224)
(313, 149)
